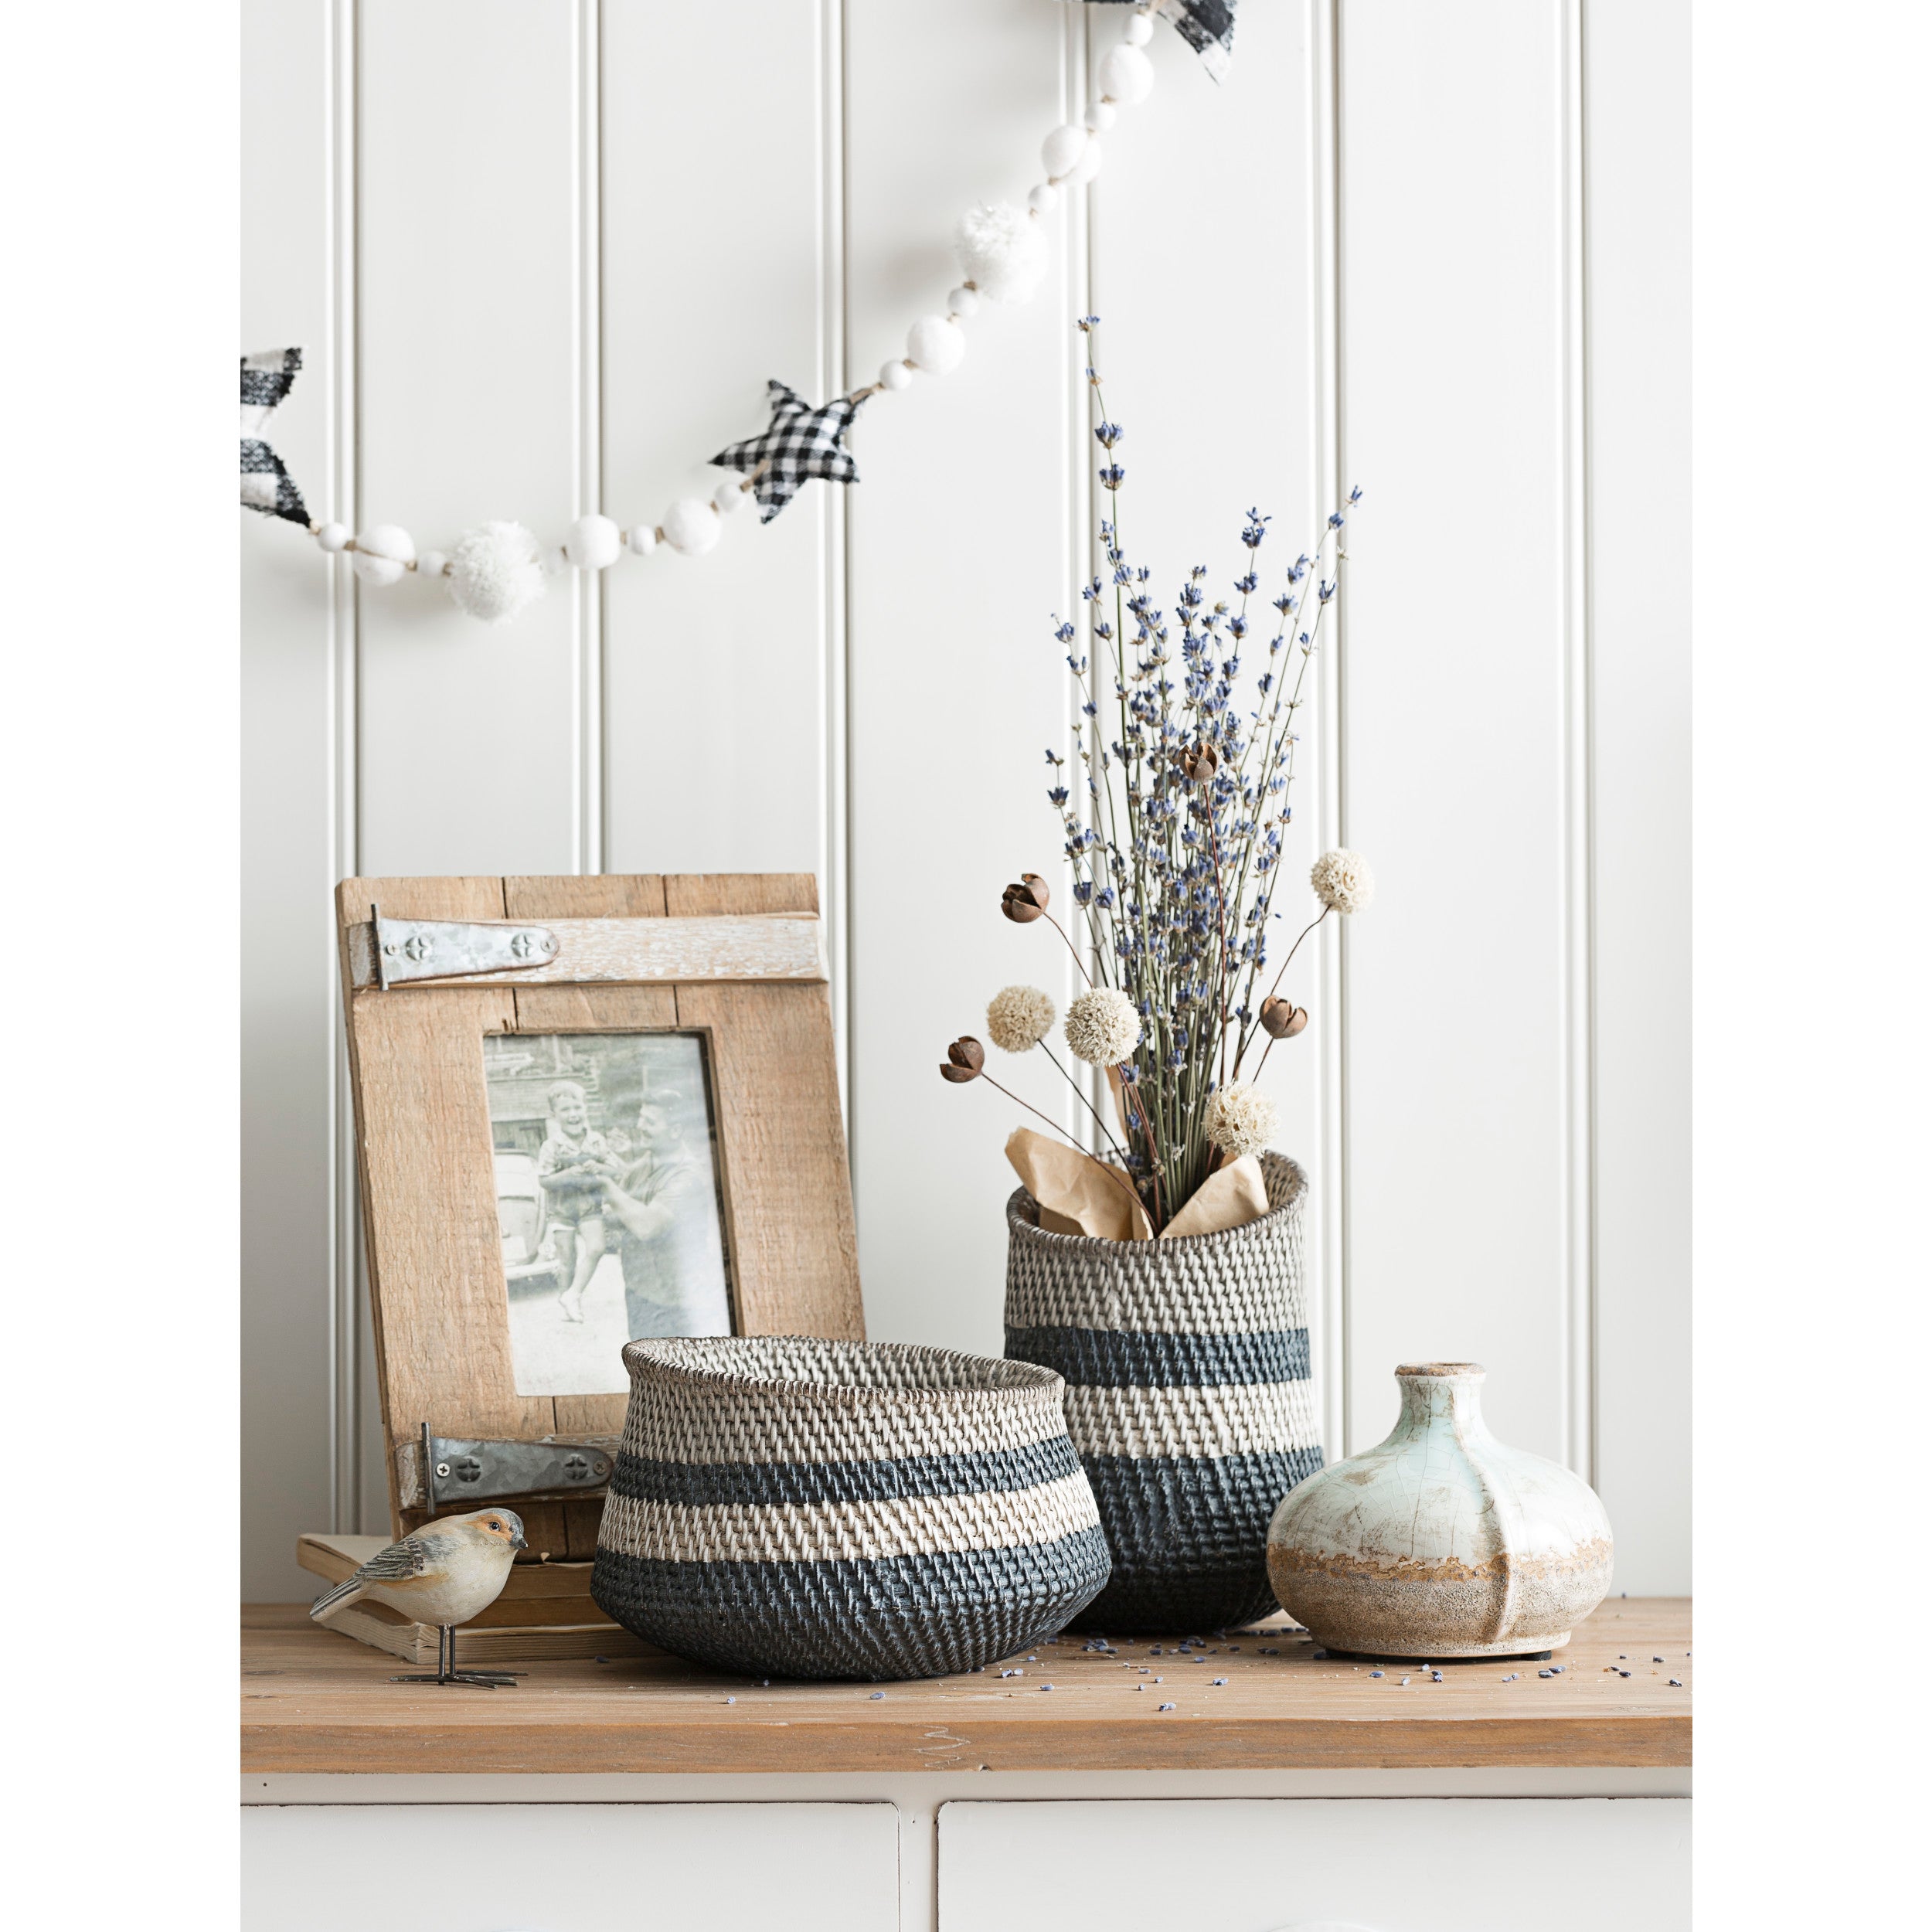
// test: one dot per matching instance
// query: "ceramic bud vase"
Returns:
(1441, 1542)
(1188, 1397)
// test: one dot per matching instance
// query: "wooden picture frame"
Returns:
(738, 961)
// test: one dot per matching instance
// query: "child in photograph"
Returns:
(570, 1168)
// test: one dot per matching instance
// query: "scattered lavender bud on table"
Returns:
(1546, 1673)
(1403, 1685)
(876, 1695)
(1376, 1673)
(731, 1700)
(1511, 1678)
(1220, 1680)
(1167, 1707)
(1677, 1683)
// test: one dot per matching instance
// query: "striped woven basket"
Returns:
(1188, 1396)
(785, 1506)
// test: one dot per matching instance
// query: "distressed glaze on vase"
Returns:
(1441, 1541)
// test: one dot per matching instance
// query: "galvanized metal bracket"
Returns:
(402, 950)
(442, 1472)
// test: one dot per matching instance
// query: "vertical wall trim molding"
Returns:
(1338, 1196)
(1084, 557)
(342, 494)
(1579, 891)
(587, 586)
(1329, 1259)
(834, 378)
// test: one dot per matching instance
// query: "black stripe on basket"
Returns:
(697, 1484)
(1183, 1512)
(899, 1617)
(932, 1581)
(1128, 1358)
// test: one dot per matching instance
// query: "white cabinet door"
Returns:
(570, 1867)
(1379, 1865)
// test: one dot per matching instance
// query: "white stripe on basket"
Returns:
(793, 1533)
(1177, 1306)
(1231, 1419)
(703, 1425)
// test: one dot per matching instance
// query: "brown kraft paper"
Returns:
(1079, 1194)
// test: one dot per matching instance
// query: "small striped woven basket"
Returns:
(1188, 1396)
(786, 1506)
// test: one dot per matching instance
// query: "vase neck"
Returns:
(1438, 1392)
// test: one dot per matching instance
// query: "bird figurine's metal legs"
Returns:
(447, 1673)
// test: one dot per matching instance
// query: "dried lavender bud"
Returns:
(1281, 1018)
(964, 1060)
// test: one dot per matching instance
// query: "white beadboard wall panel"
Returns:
(470, 371)
(1214, 426)
(288, 666)
(1638, 158)
(960, 550)
(1457, 747)
(717, 686)
(545, 255)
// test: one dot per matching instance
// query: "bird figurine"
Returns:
(444, 1574)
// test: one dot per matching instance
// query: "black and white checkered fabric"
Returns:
(801, 443)
(266, 485)
(1207, 26)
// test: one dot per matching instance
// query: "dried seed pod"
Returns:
(964, 1060)
(1198, 762)
(1282, 1019)
(1026, 900)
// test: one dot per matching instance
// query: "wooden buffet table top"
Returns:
(314, 1700)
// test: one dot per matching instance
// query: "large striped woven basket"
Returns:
(785, 1506)
(1188, 1396)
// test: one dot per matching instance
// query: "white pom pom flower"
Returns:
(495, 572)
(1018, 1017)
(1343, 880)
(1002, 251)
(1241, 1119)
(1103, 1027)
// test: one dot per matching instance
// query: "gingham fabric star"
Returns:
(801, 443)
(266, 485)
(1208, 27)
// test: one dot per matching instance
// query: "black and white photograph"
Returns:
(608, 1201)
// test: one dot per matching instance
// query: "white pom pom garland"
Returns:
(643, 539)
(431, 563)
(495, 572)
(332, 537)
(1060, 152)
(1088, 165)
(895, 374)
(1126, 75)
(961, 304)
(691, 526)
(1003, 254)
(1101, 116)
(1044, 199)
(1140, 30)
(935, 345)
(730, 498)
(383, 553)
(594, 543)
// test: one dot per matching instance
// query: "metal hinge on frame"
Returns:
(441, 1472)
(403, 950)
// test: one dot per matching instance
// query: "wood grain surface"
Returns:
(314, 1702)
